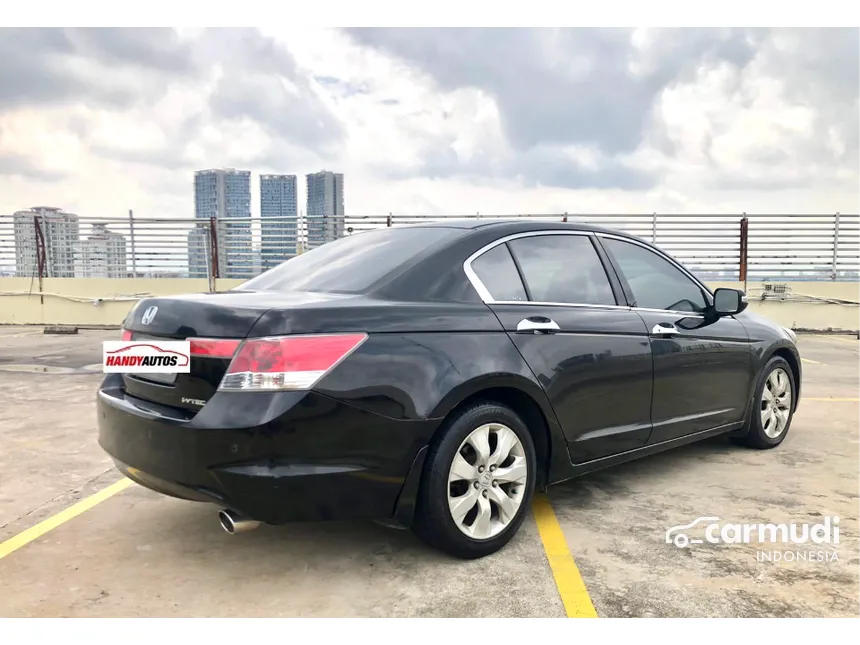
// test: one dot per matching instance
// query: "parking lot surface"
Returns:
(137, 553)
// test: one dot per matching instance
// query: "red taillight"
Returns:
(126, 334)
(213, 347)
(287, 362)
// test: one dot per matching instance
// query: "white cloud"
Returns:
(726, 130)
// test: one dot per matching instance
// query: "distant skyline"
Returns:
(436, 121)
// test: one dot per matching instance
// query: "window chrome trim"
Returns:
(685, 314)
(661, 254)
(537, 303)
(488, 299)
(554, 304)
(485, 294)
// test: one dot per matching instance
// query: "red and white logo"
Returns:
(142, 357)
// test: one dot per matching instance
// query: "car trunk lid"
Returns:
(223, 317)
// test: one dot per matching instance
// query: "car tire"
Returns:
(447, 489)
(760, 433)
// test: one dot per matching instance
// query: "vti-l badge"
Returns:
(148, 315)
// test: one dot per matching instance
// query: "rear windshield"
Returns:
(350, 264)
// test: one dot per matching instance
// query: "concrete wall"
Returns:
(76, 300)
(803, 315)
(100, 301)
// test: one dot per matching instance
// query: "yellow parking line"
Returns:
(34, 532)
(831, 399)
(571, 587)
(809, 360)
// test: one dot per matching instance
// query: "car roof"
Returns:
(513, 224)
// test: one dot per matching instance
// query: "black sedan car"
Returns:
(435, 376)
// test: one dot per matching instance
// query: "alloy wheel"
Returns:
(487, 481)
(775, 406)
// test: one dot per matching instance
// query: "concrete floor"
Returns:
(141, 554)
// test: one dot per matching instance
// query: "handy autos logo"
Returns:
(823, 534)
(163, 357)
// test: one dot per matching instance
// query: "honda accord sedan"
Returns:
(436, 376)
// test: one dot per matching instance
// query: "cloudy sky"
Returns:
(435, 121)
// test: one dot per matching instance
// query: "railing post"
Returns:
(742, 264)
(213, 251)
(654, 228)
(41, 255)
(131, 240)
(564, 219)
(388, 221)
(833, 267)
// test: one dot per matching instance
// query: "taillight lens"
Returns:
(126, 334)
(213, 347)
(287, 362)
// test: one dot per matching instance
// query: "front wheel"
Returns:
(478, 482)
(773, 406)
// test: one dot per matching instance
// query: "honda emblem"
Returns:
(148, 315)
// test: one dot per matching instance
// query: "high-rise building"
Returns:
(225, 194)
(101, 255)
(278, 219)
(59, 232)
(325, 212)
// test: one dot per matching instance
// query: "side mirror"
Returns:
(728, 302)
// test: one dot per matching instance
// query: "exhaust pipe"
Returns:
(234, 523)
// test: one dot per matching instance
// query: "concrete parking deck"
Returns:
(140, 554)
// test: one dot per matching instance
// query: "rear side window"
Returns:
(351, 264)
(497, 271)
(564, 269)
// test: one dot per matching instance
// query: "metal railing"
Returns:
(715, 247)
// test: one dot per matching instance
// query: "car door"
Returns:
(553, 295)
(702, 363)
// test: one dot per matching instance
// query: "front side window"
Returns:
(655, 282)
(563, 268)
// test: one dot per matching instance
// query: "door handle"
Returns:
(538, 325)
(664, 329)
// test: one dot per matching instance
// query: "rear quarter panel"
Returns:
(424, 375)
(416, 375)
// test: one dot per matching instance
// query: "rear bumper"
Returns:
(274, 457)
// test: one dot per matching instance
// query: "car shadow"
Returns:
(327, 568)
(654, 470)
(191, 530)
(177, 519)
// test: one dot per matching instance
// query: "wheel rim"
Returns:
(487, 481)
(776, 403)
